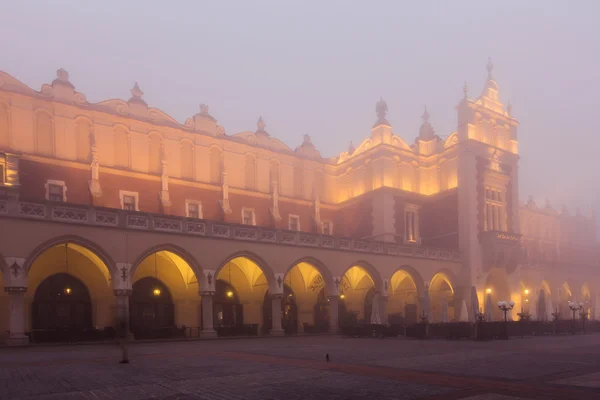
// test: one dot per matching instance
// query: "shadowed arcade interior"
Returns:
(403, 299)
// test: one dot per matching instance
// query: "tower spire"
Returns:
(490, 68)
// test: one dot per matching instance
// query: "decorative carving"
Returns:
(106, 218)
(209, 278)
(122, 292)
(15, 268)
(32, 210)
(381, 109)
(275, 208)
(69, 214)
(279, 281)
(15, 289)
(166, 224)
(204, 109)
(225, 201)
(137, 222)
(123, 273)
(62, 75)
(136, 92)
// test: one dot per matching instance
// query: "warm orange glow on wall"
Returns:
(488, 291)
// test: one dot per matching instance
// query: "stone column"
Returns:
(123, 296)
(16, 304)
(333, 314)
(383, 307)
(276, 328)
(208, 330)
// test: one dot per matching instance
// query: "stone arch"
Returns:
(155, 143)
(260, 263)
(5, 125)
(405, 289)
(179, 252)
(44, 132)
(306, 278)
(77, 240)
(216, 164)
(71, 257)
(497, 288)
(250, 171)
(359, 282)
(442, 296)
(83, 137)
(121, 146)
(187, 159)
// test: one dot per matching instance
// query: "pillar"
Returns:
(123, 296)
(383, 308)
(276, 329)
(16, 304)
(333, 314)
(208, 330)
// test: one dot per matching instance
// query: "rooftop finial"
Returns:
(509, 108)
(62, 75)
(136, 91)
(466, 89)
(306, 140)
(381, 109)
(261, 124)
(490, 67)
(203, 109)
(425, 116)
(351, 148)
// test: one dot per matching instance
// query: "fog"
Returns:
(318, 67)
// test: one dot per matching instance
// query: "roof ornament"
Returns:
(306, 141)
(490, 68)
(62, 75)
(509, 108)
(426, 132)
(425, 116)
(351, 148)
(261, 124)
(136, 92)
(466, 89)
(203, 109)
(381, 109)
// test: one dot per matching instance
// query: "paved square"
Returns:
(295, 368)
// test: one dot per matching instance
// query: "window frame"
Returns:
(54, 182)
(196, 203)
(250, 210)
(416, 231)
(330, 224)
(294, 217)
(126, 193)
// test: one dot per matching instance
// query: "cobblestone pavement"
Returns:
(295, 368)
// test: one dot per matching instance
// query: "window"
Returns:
(294, 223)
(56, 191)
(494, 210)
(129, 200)
(248, 216)
(327, 228)
(411, 224)
(193, 209)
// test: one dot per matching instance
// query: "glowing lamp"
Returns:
(526, 291)
(67, 290)
(229, 293)
(488, 291)
(342, 296)
(156, 292)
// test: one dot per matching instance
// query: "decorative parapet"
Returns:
(104, 217)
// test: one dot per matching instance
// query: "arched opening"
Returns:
(228, 311)
(61, 309)
(496, 289)
(353, 288)
(306, 283)
(289, 312)
(586, 299)
(71, 285)
(168, 295)
(403, 302)
(151, 309)
(441, 294)
(564, 296)
(321, 312)
(247, 281)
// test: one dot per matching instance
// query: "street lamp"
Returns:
(505, 307)
(574, 306)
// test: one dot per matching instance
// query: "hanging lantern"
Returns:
(156, 291)
(67, 289)
(229, 293)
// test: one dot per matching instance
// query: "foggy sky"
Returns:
(318, 68)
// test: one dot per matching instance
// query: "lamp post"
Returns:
(574, 306)
(505, 307)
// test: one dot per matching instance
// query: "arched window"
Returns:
(274, 174)
(187, 160)
(298, 181)
(44, 134)
(250, 172)
(121, 148)
(215, 165)
(4, 128)
(319, 184)
(154, 157)
(83, 131)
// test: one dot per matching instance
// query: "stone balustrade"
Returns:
(104, 217)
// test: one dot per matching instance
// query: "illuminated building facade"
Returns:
(115, 210)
